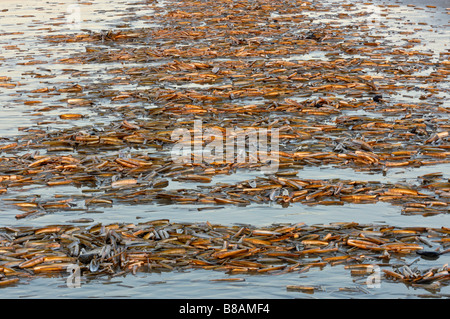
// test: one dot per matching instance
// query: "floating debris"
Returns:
(429, 278)
(222, 79)
(160, 245)
(339, 96)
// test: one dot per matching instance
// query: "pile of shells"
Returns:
(161, 245)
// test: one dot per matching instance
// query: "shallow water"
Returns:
(30, 62)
